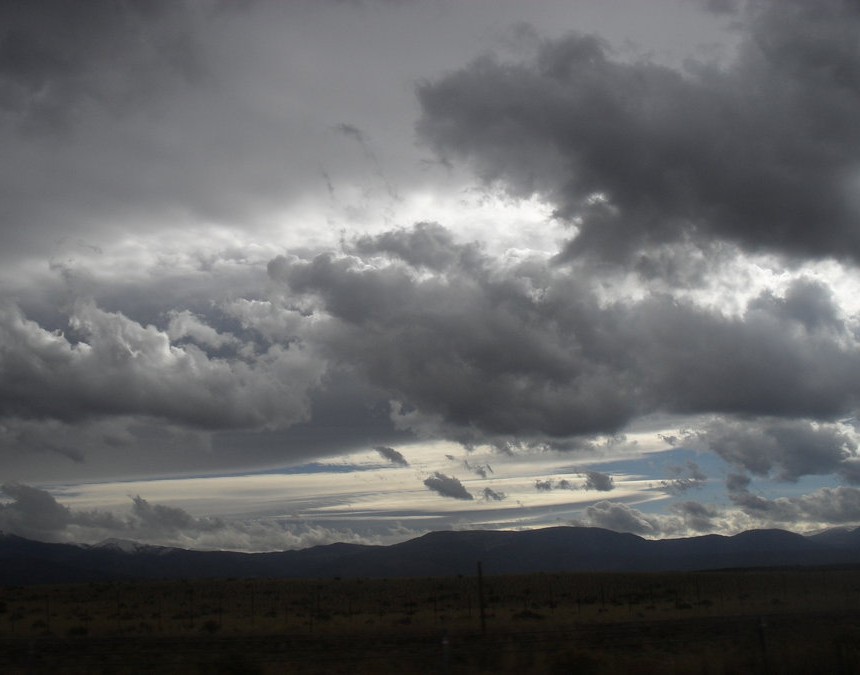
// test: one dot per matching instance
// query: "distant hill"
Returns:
(554, 549)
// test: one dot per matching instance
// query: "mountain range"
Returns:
(555, 549)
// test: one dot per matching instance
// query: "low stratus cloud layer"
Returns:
(355, 270)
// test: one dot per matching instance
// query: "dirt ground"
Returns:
(796, 621)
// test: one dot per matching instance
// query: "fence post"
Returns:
(481, 598)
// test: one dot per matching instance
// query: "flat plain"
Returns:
(743, 621)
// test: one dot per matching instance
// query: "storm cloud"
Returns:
(225, 256)
(110, 365)
(833, 506)
(391, 455)
(447, 486)
(789, 449)
(596, 480)
(762, 152)
(529, 350)
(548, 484)
(493, 495)
(31, 511)
(55, 58)
(36, 513)
(621, 518)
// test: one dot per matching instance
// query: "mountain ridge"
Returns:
(442, 553)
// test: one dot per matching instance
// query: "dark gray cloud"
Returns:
(832, 506)
(482, 470)
(826, 506)
(37, 437)
(345, 414)
(185, 325)
(492, 495)
(787, 449)
(447, 486)
(35, 513)
(543, 485)
(763, 152)
(432, 337)
(392, 455)
(529, 351)
(596, 480)
(549, 484)
(621, 518)
(735, 365)
(109, 365)
(737, 487)
(31, 511)
(56, 59)
(463, 346)
(683, 519)
(422, 245)
(82, 88)
(684, 478)
(160, 518)
(696, 516)
(807, 302)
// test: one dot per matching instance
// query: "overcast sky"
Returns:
(279, 274)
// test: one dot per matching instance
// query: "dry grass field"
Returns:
(788, 621)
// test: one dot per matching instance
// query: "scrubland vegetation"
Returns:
(791, 621)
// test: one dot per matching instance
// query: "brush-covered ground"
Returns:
(778, 621)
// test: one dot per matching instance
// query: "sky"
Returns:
(282, 274)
